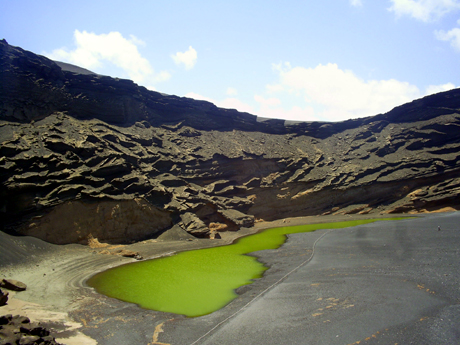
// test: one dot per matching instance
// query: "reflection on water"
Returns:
(197, 282)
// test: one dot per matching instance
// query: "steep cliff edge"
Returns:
(84, 154)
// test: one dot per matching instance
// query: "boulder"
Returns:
(13, 285)
(237, 217)
(3, 297)
(176, 233)
(194, 225)
(129, 254)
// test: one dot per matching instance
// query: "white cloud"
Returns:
(356, 3)
(235, 103)
(267, 102)
(136, 41)
(93, 51)
(199, 97)
(231, 91)
(432, 89)
(325, 93)
(268, 107)
(452, 36)
(228, 103)
(162, 76)
(272, 108)
(424, 10)
(187, 58)
(337, 94)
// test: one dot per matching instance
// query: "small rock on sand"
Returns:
(13, 285)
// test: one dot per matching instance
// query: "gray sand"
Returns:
(385, 282)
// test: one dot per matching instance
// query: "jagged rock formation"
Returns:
(88, 155)
(19, 330)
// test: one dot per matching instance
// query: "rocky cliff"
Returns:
(86, 155)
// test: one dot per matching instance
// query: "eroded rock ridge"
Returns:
(85, 155)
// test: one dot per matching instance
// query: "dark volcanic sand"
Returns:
(381, 283)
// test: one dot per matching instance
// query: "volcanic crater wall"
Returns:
(83, 155)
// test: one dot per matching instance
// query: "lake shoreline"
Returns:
(56, 276)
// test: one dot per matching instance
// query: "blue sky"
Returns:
(301, 60)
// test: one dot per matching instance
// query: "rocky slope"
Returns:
(86, 155)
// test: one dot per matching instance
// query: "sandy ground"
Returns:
(56, 275)
(58, 298)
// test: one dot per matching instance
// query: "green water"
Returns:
(197, 282)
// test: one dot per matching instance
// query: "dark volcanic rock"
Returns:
(87, 155)
(3, 297)
(194, 225)
(19, 330)
(13, 285)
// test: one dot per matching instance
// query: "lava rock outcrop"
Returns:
(86, 155)
(19, 330)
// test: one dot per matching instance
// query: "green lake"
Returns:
(198, 282)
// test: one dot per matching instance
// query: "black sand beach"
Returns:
(380, 283)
